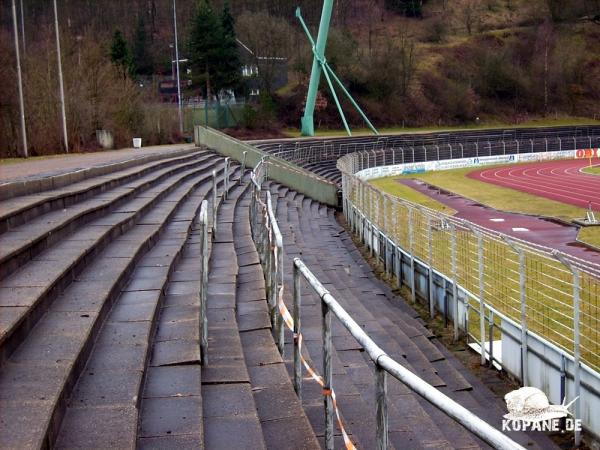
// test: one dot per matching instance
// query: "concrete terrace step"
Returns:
(171, 412)
(311, 232)
(230, 418)
(283, 421)
(24, 241)
(20, 209)
(30, 177)
(38, 378)
(353, 374)
(103, 411)
(27, 292)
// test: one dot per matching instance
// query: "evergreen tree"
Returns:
(229, 75)
(205, 46)
(410, 8)
(119, 53)
(142, 60)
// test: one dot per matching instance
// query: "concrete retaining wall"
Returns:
(279, 170)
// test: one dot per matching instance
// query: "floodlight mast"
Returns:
(320, 65)
(308, 128)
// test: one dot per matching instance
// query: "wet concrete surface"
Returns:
(538, 230)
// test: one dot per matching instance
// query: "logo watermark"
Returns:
(545, 425)
(530, 410)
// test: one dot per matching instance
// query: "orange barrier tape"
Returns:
(289, 321)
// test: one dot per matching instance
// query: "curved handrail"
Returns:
(438, 399)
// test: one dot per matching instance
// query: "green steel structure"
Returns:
(320, 65)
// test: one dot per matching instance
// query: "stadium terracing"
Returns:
(224, 297)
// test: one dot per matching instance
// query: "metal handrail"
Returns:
(269, 243)
(384, 365)
(203, 221)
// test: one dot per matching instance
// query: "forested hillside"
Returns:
(408, 62)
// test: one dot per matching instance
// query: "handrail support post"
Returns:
(327, 375)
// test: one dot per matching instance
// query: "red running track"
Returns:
(562, 180)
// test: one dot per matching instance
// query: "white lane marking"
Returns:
(497, 220)
(520, 229)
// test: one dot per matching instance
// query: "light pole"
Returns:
(177, 66)
(22, 25)
(172, 54)
(20, 80)
(60, 81)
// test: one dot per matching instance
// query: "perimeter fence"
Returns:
(321, 155)
(542, 305)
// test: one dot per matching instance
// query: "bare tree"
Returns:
(406, 47)
(470, 14)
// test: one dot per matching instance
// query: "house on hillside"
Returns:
(262, 72)
(167, 90)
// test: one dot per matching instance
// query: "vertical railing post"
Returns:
(204, 283)
(577, 351)
(481, 261)
(327, 375)
(430, 262)
(454, 281)
(563, 378)
(576, 338)
(522, 289)
(278, 286)
(491, 331)
(214, 202)
(268, 272)
(372, 222)
(226, 181)
(523, 300)
(381, 399)
(243, 167)
(387, 220)
(412, 254)
(297, 331)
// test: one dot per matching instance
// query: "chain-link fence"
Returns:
(555, 296)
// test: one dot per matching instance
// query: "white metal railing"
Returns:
(204, 224)
(384, 365)
(269, 243)
(203, 216)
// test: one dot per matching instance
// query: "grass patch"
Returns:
(501, 198)
(496, 196)
(391, 186)
(590, 235)
(595, 170)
